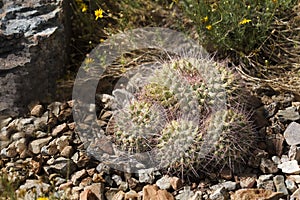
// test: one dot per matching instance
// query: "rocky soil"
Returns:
(43, 156)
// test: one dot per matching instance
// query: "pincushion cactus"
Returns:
(187, 112)
(137, 126)
(176, 148)
(235, 137)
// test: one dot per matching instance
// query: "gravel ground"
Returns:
(44, 157)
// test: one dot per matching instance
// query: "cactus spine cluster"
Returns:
(188, 113)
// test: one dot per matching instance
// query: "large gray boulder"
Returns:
(34, 37)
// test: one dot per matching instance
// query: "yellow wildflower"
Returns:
(245, 21)
(43, 198)
(101, 40)
(89, 60)
(98, 13)
(208, 27)
(84, 8)
(205, 19)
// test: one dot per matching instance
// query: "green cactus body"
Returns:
(159, 93)
(137, 126)
(235, 137)
(174, 144)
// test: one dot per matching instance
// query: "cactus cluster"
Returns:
(188, 113)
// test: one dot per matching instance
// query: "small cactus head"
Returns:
(136, 126)
(233, 135)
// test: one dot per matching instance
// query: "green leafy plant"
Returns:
(8, 186)
(235, 28)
